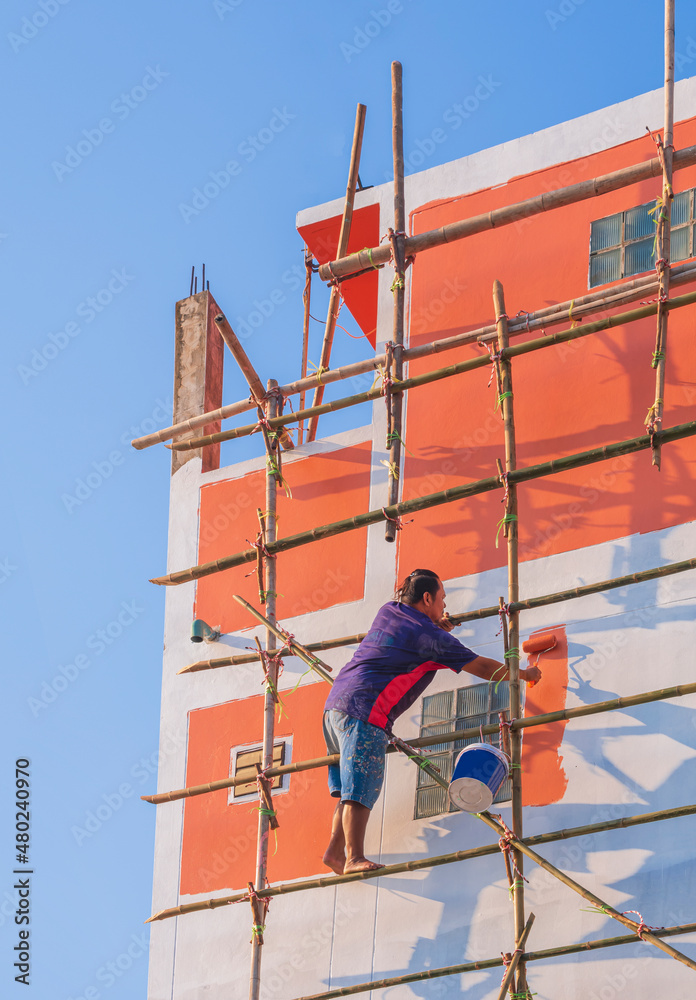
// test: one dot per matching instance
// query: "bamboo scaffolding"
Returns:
(271, 687)
(470, 854)
(565, 714)
(521, 475)
(395, 398)
(664, 221)
(248, 371)
(505, 216)
(296, 648)
(644, 935)
(344, 236)
(582, 305)
(503, 369)
(494, 963)
(471, 364)
(517, 956)
(306, 302)
(468, 616)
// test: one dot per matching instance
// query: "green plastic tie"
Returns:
(507, 519)
(397, 284)
(504, 395)
(657, 357)
(369, 257)
(395, 436)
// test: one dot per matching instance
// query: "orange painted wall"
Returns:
(324, 488)
(568, 398)
(544, 779)
(219, 843)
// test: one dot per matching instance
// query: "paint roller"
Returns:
(537, 645)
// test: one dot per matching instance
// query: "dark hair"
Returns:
(421, 581)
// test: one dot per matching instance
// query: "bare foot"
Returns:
(360, 865)
(336, 862)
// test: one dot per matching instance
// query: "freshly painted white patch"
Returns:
(649, 760)
(619, 864)
(590, 784)
(607, 720)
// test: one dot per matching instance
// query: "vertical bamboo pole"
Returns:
(306, 300)
(269, 701)
(663, 235)
(335, 299)
(513, 652)
(396, 398)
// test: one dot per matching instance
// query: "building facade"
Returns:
(580, 526)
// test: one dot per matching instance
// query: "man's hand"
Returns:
(532, 675)
(446, 623)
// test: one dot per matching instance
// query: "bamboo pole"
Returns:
(655, 414)
(306, 302)
(506, 402)
(472, 853)
(522, 475)
(493, 963)
(562, 715)
(581, 305)
(498, 217)
(471, 364)
(297, 649)
(344, 236)
(248, 370)
(396, 398)
(633, 925)
(269, 703)
(517, 955)
(468, 616)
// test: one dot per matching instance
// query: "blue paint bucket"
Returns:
(479, 771)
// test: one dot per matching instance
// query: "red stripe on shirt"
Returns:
(396, 689)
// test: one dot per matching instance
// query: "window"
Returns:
(243, 764)
(624, 244)
(475, 705)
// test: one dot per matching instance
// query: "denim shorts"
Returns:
(360, 775)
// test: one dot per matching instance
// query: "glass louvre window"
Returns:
(623, 244)
(244, 767)
(476, 705)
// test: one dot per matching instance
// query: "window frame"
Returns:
(689, 224)
(283, 779)
(445, 758)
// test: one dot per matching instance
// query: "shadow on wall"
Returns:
(646, 758)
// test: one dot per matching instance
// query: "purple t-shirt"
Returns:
(394, 664)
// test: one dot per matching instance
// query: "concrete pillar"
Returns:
(198, 363)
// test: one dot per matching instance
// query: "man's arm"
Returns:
(494, 670)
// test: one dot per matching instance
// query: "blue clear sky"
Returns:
(152, 97)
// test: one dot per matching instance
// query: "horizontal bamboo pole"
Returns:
(233, 661)
(468, 616)
(470, 854)
(455, 493)
(633, 925)
(565, 714)
(495, 963)
(516, 212)
(320, 668)
(581, 305)
(471, 364)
